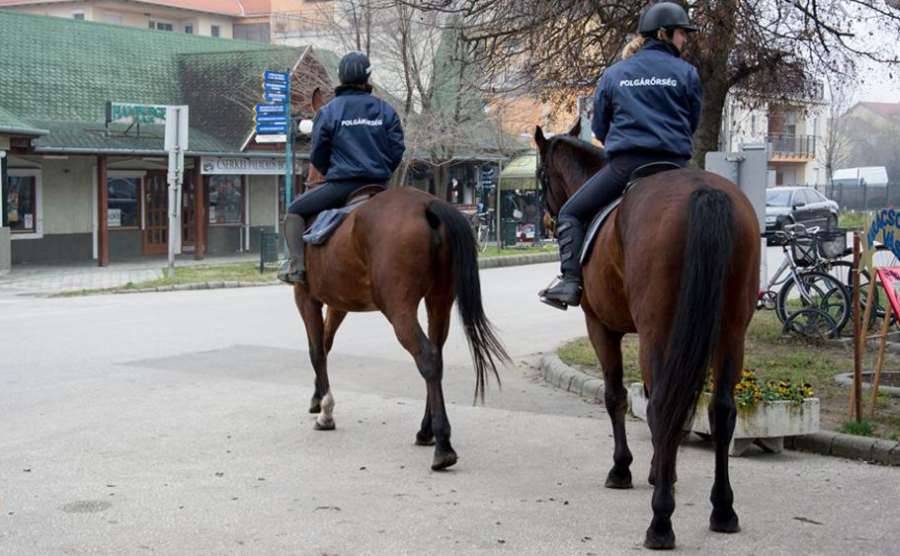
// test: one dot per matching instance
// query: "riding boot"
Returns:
(566, 289)
(294, 269)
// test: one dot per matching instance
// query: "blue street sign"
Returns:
(275, 76)
(277, 98)
(271, 108)
(274, 87)
(272, 119)
(271, 129)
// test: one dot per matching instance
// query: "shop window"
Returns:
(23, 203)
(226, 200)
(123, 202)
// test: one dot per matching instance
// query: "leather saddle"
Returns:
(326, 222)
(597, 223)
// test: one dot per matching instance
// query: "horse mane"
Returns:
(588, 149)
(587, 159)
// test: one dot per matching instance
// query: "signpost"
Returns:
(274, 124)
(176, 143)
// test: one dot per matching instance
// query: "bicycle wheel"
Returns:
(818, 290)
(811, 323)
(843, 271)
(482, 238)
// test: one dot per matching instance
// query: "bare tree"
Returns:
(764, 48)
(841, 92)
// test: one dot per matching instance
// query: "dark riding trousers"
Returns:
(326, 196)
(607, 185)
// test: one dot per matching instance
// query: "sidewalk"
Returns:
(49, 279)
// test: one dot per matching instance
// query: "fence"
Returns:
(862, 197)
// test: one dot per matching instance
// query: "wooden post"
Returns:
(102, 210)
(879, 364)
(200, 218)
(860, 332)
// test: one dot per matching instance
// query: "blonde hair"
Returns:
(638, 41)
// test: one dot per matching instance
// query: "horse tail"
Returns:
(698, 315)
(486, 349)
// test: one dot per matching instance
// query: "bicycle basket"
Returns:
(832, 243)
(804, 251)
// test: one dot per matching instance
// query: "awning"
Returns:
(520, 173)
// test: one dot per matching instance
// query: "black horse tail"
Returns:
(486, 348)
(695, 331)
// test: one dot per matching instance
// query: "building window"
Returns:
(78, 16)
(189, 29)
(160, 26)
(123, 202)
(226, 199)
(214, 30)
(23, 203)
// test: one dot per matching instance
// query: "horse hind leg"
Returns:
(439, 304)
(608, 346)
(429, 362)
(722, 417)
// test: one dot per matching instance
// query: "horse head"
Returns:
(315, 177)
(564, 163)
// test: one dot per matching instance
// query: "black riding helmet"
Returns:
(354, 69)
(664, 15)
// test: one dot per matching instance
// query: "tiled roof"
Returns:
(14, 125)
(234, 8)
(890, 110)
(63, 85)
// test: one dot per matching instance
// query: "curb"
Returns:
(487, 262)
(518, 260)
(566, 378)
(826, 443)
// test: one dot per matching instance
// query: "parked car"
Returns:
(805, 205)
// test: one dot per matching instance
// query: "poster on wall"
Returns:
(114, 218)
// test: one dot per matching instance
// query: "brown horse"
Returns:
(678, 263)
(400, 247)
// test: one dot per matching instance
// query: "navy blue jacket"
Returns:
(357, 138)
(649, 102)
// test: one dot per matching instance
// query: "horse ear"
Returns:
(576, 129)
(539, 138)
(318, 99)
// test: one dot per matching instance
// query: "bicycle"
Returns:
(810, 301)
(482, 229)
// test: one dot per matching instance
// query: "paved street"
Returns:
(175, 423)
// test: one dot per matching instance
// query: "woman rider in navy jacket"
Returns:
(357, 140)
(646, 109)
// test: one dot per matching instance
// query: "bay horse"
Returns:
(678, 263)
(400, 247)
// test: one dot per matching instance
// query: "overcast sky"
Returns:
(878, 82)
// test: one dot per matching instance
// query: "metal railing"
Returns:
(862, 197)
(793, 145)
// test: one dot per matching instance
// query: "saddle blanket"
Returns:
(326, 223)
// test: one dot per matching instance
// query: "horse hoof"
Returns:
(443, 460)
(724, 524)
(619, 479)
(422, 440)
(656, 541)
(328, 426)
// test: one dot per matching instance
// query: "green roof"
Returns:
(62, 76)
(14, 125)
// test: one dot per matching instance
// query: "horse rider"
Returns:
(357, 141)
(646, 109)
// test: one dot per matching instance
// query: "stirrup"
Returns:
(556, 303)
(288, 277)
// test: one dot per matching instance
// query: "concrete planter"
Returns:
(765, 424)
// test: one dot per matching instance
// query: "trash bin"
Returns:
(268, 249)
(508, 232)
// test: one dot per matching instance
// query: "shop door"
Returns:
(156, 223)
(187, 212)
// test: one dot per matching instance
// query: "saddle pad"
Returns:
(326, 223)
(594, 229)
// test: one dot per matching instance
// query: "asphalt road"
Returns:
(176, 424)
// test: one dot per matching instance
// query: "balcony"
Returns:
(791, 148)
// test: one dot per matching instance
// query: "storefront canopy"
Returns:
(520, 173)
